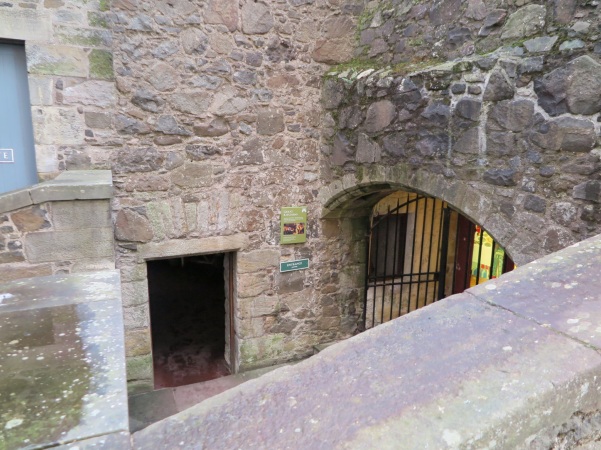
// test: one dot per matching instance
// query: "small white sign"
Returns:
(7, 155)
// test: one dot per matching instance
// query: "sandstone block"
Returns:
(249, 154)
(60, 126)
(137, 342)
(196, 103)
(252, 284)
(193, 175)
(222, 12)
(139, 367)
(270, 121)
(163, 77)
(30, 219)
(16, 272)
(101, 64)
(41, 90)
(67, 245)
(256, 18)
(28, 25)
(134, 293)
(257, 260)
(97, 120)
(217, 127)
(91, 93)
(131, 226)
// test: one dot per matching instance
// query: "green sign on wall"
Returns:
(293, 225)
(289, 266)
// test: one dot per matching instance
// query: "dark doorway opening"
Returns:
(188, 319)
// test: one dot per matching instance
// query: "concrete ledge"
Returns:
(71, 185)
(512, 364)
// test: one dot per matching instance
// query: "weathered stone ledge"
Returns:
(63, 363)
(513, 363)
(71, 185)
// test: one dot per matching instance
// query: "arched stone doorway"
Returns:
(420, 251)
(346, 221)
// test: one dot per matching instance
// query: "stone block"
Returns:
(379, 116)
(93, 265)
(136, 317)
(18, 271)
(97, 120)
(40, 90)
(195, 103)
(46, 159)
(137, 342)
(14, 200)
(58, 126)
(73, 215)
(101, 64)
(252, 284)
(131, 226)
(222, 12)
(75, 185)
(28, 25)
(84, 37)
(270, 121)
(139, 367)
(290, 281)
(137, 272)
(134, 293)
(163, 77)
(524, 22)
(68, 245)
(193, 175)
(182, 247)
(57, 60)
(368, 151)
(101, 94)
(257, 260)
(30, 219)
(256, 18)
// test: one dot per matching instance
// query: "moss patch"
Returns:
(101, 64)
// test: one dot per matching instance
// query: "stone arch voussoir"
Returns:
(352, 197)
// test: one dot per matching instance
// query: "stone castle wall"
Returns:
(217, 113)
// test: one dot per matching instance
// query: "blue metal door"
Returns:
(17, 151)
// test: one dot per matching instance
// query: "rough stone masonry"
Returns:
(214, 114)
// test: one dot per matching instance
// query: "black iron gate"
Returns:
(421, 251)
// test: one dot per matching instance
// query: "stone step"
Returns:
(150, 407)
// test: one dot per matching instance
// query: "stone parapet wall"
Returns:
(68, 45)
(57, 227)
(510, 364)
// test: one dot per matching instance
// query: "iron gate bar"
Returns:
(394, 256)
(439, 246)
(385, 262)
(430, 248)
(421, 251)
(412, 253)
(479, 257)
(456, 252)
(444, 254)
